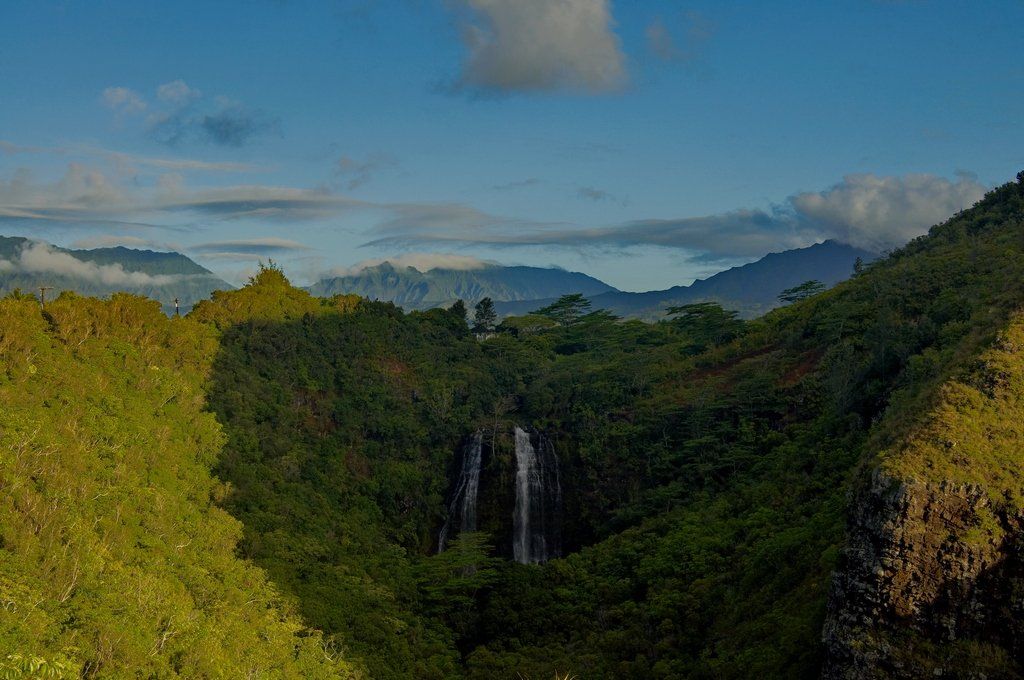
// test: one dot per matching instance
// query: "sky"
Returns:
(647, 143)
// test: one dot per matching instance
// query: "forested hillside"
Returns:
(192, 497)
(116, 557)
(412, 289)
(751, 289)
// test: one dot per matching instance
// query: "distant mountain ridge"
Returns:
(411, 288)
(27, 264)
(750, 289)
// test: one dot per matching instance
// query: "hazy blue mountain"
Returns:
(752, 289)
(28, 264)
(410, 288)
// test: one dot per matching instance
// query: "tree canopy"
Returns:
(566, 310)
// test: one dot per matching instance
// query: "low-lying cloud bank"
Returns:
(867, 211)
(37, 257)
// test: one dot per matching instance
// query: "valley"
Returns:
(283, 485)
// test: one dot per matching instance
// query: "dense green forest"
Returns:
(255, 490)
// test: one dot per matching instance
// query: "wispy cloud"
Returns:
(233, 124)
(177, 92)
(518, 184)
(863, 210)
(598, 195)
(181, 113)
(285, 204)
(229, 124)
(353, 173)
(11, 148)
(86, 195)
(539, 45)
(696, 31)
(123, 100)
(127, 162)
(250, 248)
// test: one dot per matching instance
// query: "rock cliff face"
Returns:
(931, 583)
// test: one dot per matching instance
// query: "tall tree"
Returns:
(802, 292)
(458, 310)
(705, 324)
(484, 316)
(567, 309)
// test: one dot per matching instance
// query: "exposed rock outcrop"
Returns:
(931, 585)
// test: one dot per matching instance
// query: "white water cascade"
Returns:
(463, 504)
(538, 501)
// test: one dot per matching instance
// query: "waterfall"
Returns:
(463, 502)
(537, 516)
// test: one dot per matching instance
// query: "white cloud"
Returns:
(867, 211)
(41, 258)
(82, 190)
(177, 92)
(882, 212)
(541, 45)
(127, 162)
(124, 100)
(355, 173)
(87, 195)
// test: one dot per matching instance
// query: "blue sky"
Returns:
(645, 143)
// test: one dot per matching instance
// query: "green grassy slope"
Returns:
(115, 559)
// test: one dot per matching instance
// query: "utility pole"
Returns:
(42, 295)
(177, 312)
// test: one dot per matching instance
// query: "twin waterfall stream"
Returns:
(536, 517)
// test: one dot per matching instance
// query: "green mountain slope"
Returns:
(833, 488)
(752, 289)
(726, 481)
(26, 265)
(931, 578)
(115, 559)
(412, 289)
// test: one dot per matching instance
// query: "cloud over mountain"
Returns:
(866, 211)
(41, 258)
(874, 212)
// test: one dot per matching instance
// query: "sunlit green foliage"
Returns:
(114, 556)
(705, 464)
